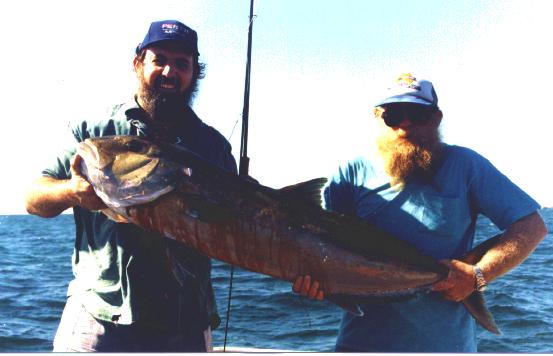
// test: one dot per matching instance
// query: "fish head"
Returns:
(127, 170)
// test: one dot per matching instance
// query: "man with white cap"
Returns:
(428, 193)
(133, 290)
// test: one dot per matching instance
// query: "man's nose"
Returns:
(168, 70)
(405, 122)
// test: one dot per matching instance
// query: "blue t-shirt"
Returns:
(439, 218)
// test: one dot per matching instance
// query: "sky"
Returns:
(317, 68)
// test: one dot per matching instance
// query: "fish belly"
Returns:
(265, 246)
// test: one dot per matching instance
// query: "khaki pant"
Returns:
(79, 331)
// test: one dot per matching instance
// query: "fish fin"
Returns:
(346, 304)
(475, 302)
(309, 191)
(206, 211)
(476, 306)
(115, 216)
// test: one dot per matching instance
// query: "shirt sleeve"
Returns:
(338, 194)
(496, 196)
(228, 160)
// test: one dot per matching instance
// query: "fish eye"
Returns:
(134, 146)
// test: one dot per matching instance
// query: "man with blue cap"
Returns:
(430, 194)
(133, 290)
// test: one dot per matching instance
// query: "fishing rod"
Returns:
(244, 165)
(244, 159)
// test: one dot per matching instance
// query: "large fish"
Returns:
(281, 233)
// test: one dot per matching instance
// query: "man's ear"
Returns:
(377, 111)
(136, 63)
(437, 117)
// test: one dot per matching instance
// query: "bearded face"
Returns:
(167, 82)
(162, 106)
(410, 151)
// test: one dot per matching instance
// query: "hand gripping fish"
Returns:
(281, 233)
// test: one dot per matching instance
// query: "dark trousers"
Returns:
(81, 332)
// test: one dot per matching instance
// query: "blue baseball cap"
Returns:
(407, 89)
(171, 30)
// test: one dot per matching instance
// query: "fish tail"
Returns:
(476, 306)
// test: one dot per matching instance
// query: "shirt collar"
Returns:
(138, 118)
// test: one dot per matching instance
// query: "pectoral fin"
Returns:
(346, 304)
(115, 216)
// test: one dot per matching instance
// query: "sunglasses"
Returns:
(416, 114)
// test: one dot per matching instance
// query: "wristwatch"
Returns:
(480, 284)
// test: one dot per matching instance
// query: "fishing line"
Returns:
(232, 131)
(304, 308)
(228, 306)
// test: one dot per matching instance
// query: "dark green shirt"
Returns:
(125, 274)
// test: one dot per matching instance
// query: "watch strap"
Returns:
(480, 283)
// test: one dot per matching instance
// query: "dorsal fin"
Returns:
(309, 191)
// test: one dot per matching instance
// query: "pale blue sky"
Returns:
(317, 67)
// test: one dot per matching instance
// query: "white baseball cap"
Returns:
(407, 89)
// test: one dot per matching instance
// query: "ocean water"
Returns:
(35, 268)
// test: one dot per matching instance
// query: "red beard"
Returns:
(406, 160)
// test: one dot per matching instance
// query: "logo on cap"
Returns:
(407, 80)
(407, 89)
(170, 28)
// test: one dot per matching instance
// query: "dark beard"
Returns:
(405, 161)
(165, 108)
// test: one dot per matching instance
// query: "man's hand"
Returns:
(460, 282)
(84, 195)
(47, 196)
(303, 286)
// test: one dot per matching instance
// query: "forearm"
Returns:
(516, 244)
(49, 197)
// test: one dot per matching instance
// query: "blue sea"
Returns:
(35, 268)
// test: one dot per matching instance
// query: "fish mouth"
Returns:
(91, 156)
(124, 178)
